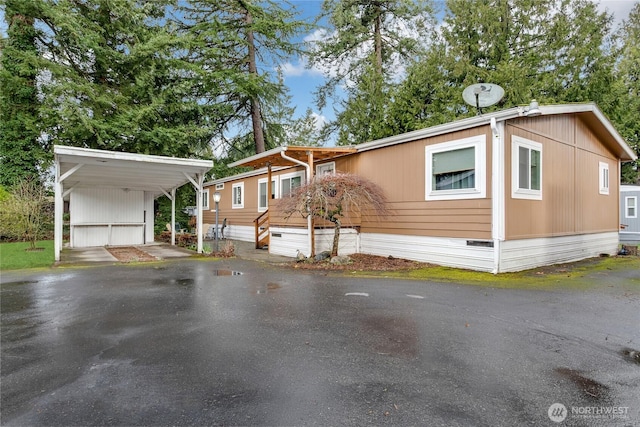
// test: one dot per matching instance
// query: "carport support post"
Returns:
(200, 178)
(58, 213)
(173, 217)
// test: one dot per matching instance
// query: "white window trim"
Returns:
(233, 199)
(627, 205)
(516, 192)
(220, 186)
(479, 142)
(275, 182)
(322, 166)
(282, 177)
(205, 199)
(604, 179)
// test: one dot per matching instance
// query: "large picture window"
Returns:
(263, 200)
(238, 195)
(456, 169)
(526, 169)
(289, 182)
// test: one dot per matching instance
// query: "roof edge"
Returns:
(66, 150)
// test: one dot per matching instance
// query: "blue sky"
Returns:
(302, 82)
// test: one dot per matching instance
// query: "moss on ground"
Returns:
(581, 274)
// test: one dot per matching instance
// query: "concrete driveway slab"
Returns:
(233, 342)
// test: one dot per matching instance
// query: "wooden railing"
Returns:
(262, 230)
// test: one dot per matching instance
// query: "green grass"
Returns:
(13, 256)
(566, 275)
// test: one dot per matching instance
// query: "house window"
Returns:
(238, 195)
(263, 202)
(220, 186)
(456, 170)
(205, 199)
(604, 177)
(289, 182)
(631, 206)
(326, 169)
(526, 169)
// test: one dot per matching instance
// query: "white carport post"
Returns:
(173, 217)
(198, 187)
(58, 212)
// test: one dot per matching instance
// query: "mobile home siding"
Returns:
(571, 203)
(400, 171)
(629, 225)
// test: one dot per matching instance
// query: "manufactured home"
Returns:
(503, 191)
(629, 218)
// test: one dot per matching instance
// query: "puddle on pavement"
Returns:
(590, 387)
(631, 355)
(392, 336)
(226, 273)
(24, 282)
(269, 287)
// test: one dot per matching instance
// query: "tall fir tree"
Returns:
(23, 154)
(365, 48)
(241, 43)
(550, 50)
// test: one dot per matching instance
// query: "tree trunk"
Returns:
(256, 116)
(378, 41)
(336, 237)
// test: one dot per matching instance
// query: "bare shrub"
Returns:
(331, 197)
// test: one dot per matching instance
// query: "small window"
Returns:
(326, 169)
(456, 170)
(289, 182)
(205, 199)
(220, 186)
(238, 195)
(526, 169)
(604, 177)
(263, 202)
(631, 206)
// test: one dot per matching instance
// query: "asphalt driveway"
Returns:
(191, 343)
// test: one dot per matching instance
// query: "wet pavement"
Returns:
(238, 342)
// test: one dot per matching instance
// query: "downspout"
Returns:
(498, 192)
(309, 222)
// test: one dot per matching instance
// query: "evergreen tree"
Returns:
(626, 114)
(365, 49)
(237, 42)
(551, 50)
(23, 155)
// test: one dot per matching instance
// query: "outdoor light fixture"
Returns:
(216, 198)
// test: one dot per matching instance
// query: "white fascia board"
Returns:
(499, 116)
(625, 188)
(249, 174)
(258, 156)
(457, 125)
(90, 153)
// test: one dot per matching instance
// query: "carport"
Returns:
(111, 194)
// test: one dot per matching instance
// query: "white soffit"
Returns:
(110, 169)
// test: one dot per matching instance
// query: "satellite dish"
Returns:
(482, 95)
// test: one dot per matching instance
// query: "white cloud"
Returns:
(319, 120)
(619, 8)
(298, 69)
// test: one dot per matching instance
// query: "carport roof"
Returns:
(85, 167)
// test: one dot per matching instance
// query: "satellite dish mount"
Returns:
(482, 95)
